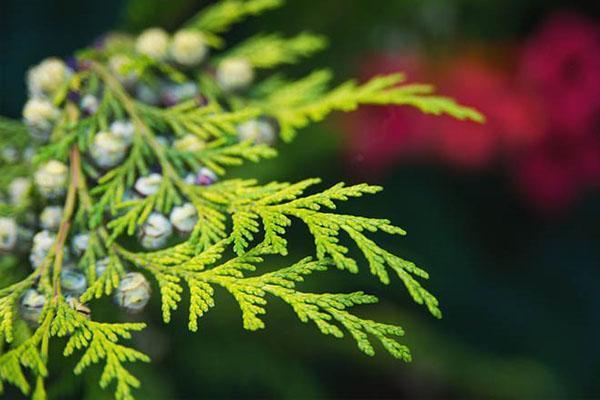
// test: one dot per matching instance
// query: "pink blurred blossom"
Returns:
(562, 63)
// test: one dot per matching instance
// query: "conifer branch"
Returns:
(30, 355)
(218, 18)
(13, 133)
(269, 51)
(307, 100)
(131, 142)
(210, 122)
(100, 343)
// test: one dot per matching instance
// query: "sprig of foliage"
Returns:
(100, 341)
(218, 18)
(30, 354)
(105, 284)
(221, 154)
(297, 104)
(13, 138)
(326, 311)
(269, 51)
(273, 206)
(13, 133)
(210, 122)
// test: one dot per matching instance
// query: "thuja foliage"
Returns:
(116, 181)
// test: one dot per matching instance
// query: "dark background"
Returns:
(519, 291)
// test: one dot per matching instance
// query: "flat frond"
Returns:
(27, 355)
(296, 110)
(209, 122)
(107, 282)
(219, 17)
(269, 51)
(99, 343)
(221, 154)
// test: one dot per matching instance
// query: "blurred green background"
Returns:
(519, 291)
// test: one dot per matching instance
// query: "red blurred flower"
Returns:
(562, 63)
